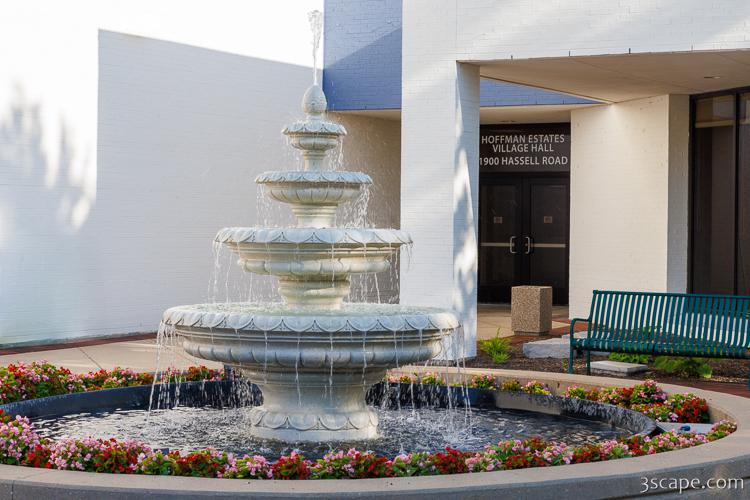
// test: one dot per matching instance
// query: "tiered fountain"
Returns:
(313, 356)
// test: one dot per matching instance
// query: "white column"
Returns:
(439, 183)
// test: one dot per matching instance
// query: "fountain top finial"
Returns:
(314, 136)
(314, 101)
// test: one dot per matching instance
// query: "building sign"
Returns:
(524, 148)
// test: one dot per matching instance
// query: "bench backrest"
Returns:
(671, 318)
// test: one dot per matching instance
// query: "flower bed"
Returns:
(648, 398)
(21, 445)
(41, 379)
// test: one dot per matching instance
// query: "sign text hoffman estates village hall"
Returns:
(524, 148)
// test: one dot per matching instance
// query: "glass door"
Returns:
(720, 244)
(743, 198)
(499, 239)
(523, 235)
(546, 245)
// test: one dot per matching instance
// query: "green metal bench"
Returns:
(665, 324)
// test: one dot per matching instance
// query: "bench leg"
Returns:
(588, 362)
(570, 361)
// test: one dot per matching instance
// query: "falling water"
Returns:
(316, 26)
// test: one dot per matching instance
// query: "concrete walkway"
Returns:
(494, 319)
(138, 353)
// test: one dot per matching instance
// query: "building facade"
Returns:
(578, 144)
(582, 145)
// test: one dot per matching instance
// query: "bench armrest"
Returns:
(572, 327)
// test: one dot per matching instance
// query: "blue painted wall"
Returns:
(362, 61)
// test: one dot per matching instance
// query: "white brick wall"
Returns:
(119, 160)
(628, 198)
(373, 146)
(122, 155)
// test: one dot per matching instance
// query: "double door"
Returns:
(523, 235)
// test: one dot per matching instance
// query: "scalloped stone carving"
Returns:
(314, 195)
(308, 235)
(314, 176)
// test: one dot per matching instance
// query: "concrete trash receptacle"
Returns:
(531, 309)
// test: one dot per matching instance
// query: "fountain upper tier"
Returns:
(313, 193)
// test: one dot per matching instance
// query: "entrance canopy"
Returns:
(617, 78)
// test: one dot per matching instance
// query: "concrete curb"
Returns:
(726, 458)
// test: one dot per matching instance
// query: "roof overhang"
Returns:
(533, 113)
(623, 77)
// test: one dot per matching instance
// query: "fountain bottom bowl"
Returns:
(313, 365)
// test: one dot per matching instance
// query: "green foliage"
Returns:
(643, 359)
(497, 348)
(158, 464)
(684, 367)
(539, 388)
(483, 381)
(432, 378)
(511, 385)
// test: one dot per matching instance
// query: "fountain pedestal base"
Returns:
(314, 406)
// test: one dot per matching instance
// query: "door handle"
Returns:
(513, 245)
(529, 243)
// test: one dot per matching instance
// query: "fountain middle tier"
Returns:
(313, 365)
(313, 264)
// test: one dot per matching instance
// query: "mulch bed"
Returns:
(732, 371)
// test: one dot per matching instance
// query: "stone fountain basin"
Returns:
(355, 336)
(313, 252)
(316, 187)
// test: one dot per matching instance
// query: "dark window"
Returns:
(743, 208)
(721, 194)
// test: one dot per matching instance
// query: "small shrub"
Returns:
(576, 392)
(483, 382)
(157, 464)
(496, 348)
(451, 461)
(642, 359)
(352, 464)
(721, 429)
(203, 463)
(511, 385)
(432, 378)
(684, 367)
(534, 387)
(292, 466)
(647, 392)
(414, 464)
(18, 440)
(403, 378)
(249, 467)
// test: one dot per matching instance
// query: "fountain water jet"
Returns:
(312, 355)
